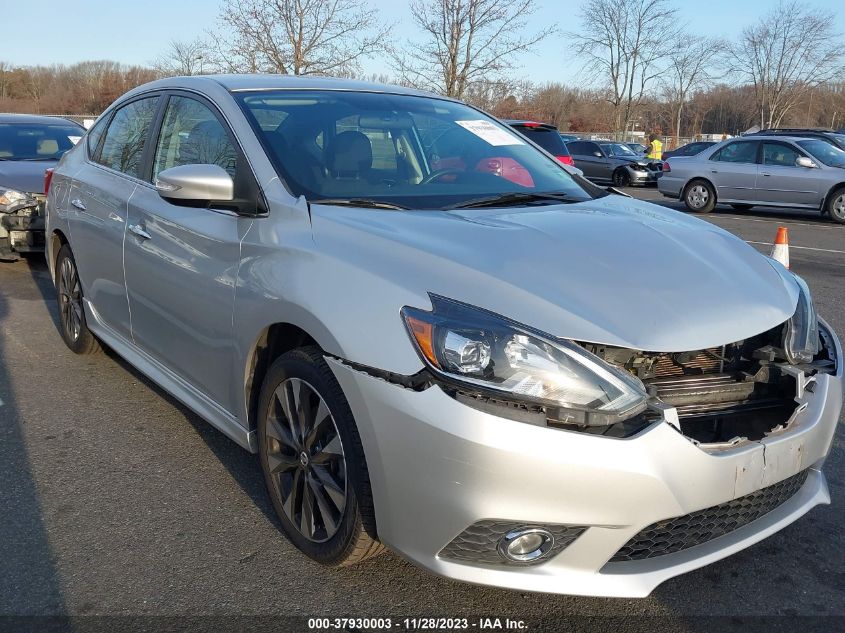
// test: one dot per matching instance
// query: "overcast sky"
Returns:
(136, 32)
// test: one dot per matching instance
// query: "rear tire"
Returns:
(72, 324)
(742, 207)
(836, 206)
(699, 196)
(313, 461)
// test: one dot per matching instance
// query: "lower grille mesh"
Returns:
(680, 533)
(478, 543)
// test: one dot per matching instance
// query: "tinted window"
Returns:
(548, 139)
(738, 152)
(95, 134)
(126, 136)
(578, 147)
(779, 154)
(191, 134)
(32, 142)
(414, 151)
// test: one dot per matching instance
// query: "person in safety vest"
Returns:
(655, 148)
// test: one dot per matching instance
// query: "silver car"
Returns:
(438, 340)
(774, 171)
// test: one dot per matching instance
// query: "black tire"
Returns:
(72, 324)
(699, 196)
(742, 207)
(354, 538)
(621, 178)
(835, 207)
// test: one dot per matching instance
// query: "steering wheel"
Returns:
(440, 173)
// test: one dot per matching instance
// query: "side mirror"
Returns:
(195, 182)
(598, 154)
(803, 161)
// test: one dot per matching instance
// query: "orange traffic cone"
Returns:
(780, 250)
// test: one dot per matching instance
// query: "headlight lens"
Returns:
(484, 351)
(801, 333)
(12, 200)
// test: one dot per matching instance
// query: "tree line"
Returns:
(641, 68)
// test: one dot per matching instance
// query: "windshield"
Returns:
(19, 141)
(825, 152)
(618, 149)
(409, 151)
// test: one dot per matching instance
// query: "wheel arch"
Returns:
(830, 193)
(57, 240)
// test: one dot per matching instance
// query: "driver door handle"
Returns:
(76, 202)
(138, 230)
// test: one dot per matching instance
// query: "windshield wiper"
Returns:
(511, 199)
(364, 203)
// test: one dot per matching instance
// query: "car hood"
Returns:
(614, 270)
(24, 175)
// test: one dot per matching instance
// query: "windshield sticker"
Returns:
(74, 139)
(488, 132)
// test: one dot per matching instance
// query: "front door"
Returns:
(182, 261)
(733, 170)
(781, 181)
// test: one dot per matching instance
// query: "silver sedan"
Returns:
(771, 171)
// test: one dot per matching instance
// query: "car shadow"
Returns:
(242, 465)
(29, 582)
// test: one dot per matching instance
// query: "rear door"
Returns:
(182, 260)
(733, 170)
(97, 208)
(781, 181)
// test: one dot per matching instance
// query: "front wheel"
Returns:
(836, 206)
(313, 461)
(700, 197)
(621, 178)
(72, 324)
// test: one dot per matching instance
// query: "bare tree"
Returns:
(466, 42)
(184, 58)
(297, 37)
(691, 66)
(623, 43)
(785, 55)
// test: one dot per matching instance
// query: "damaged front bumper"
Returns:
(449, 479)
(23, 231)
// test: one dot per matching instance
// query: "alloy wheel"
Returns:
(838, 207)
(305, 460)
(70, 299)
(698, 196)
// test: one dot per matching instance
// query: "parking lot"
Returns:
(116, 500)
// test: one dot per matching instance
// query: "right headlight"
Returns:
(484, 352)
(801, 332)
(12, 200)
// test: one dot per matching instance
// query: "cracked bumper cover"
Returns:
(438, 466)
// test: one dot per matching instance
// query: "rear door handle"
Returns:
(138, 230)
(765, 174)
(76, 202)
(713, 171)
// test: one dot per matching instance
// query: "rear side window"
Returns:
(548, 139)
(95, 134)
(738, 152)
(579, 147)
(126, 136)
(191, 134)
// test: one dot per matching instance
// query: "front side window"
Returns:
(126, 136)
(191, 134)
(737, 152)
(414, 151)
(618, 149)
(36, 142)
(779, 154)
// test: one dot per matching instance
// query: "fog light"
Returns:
(526, 545)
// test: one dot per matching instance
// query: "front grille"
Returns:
(478, 543)
(680, 533)
(707, 361)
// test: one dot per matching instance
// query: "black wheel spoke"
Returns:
(331, 451)
(333, 488)
(281, 463)
(329, 517)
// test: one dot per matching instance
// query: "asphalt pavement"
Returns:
(115, 500)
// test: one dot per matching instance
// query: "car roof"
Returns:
(34, 119)
(261, 82)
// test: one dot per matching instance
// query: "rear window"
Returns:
(32, 142)
(547, 138)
